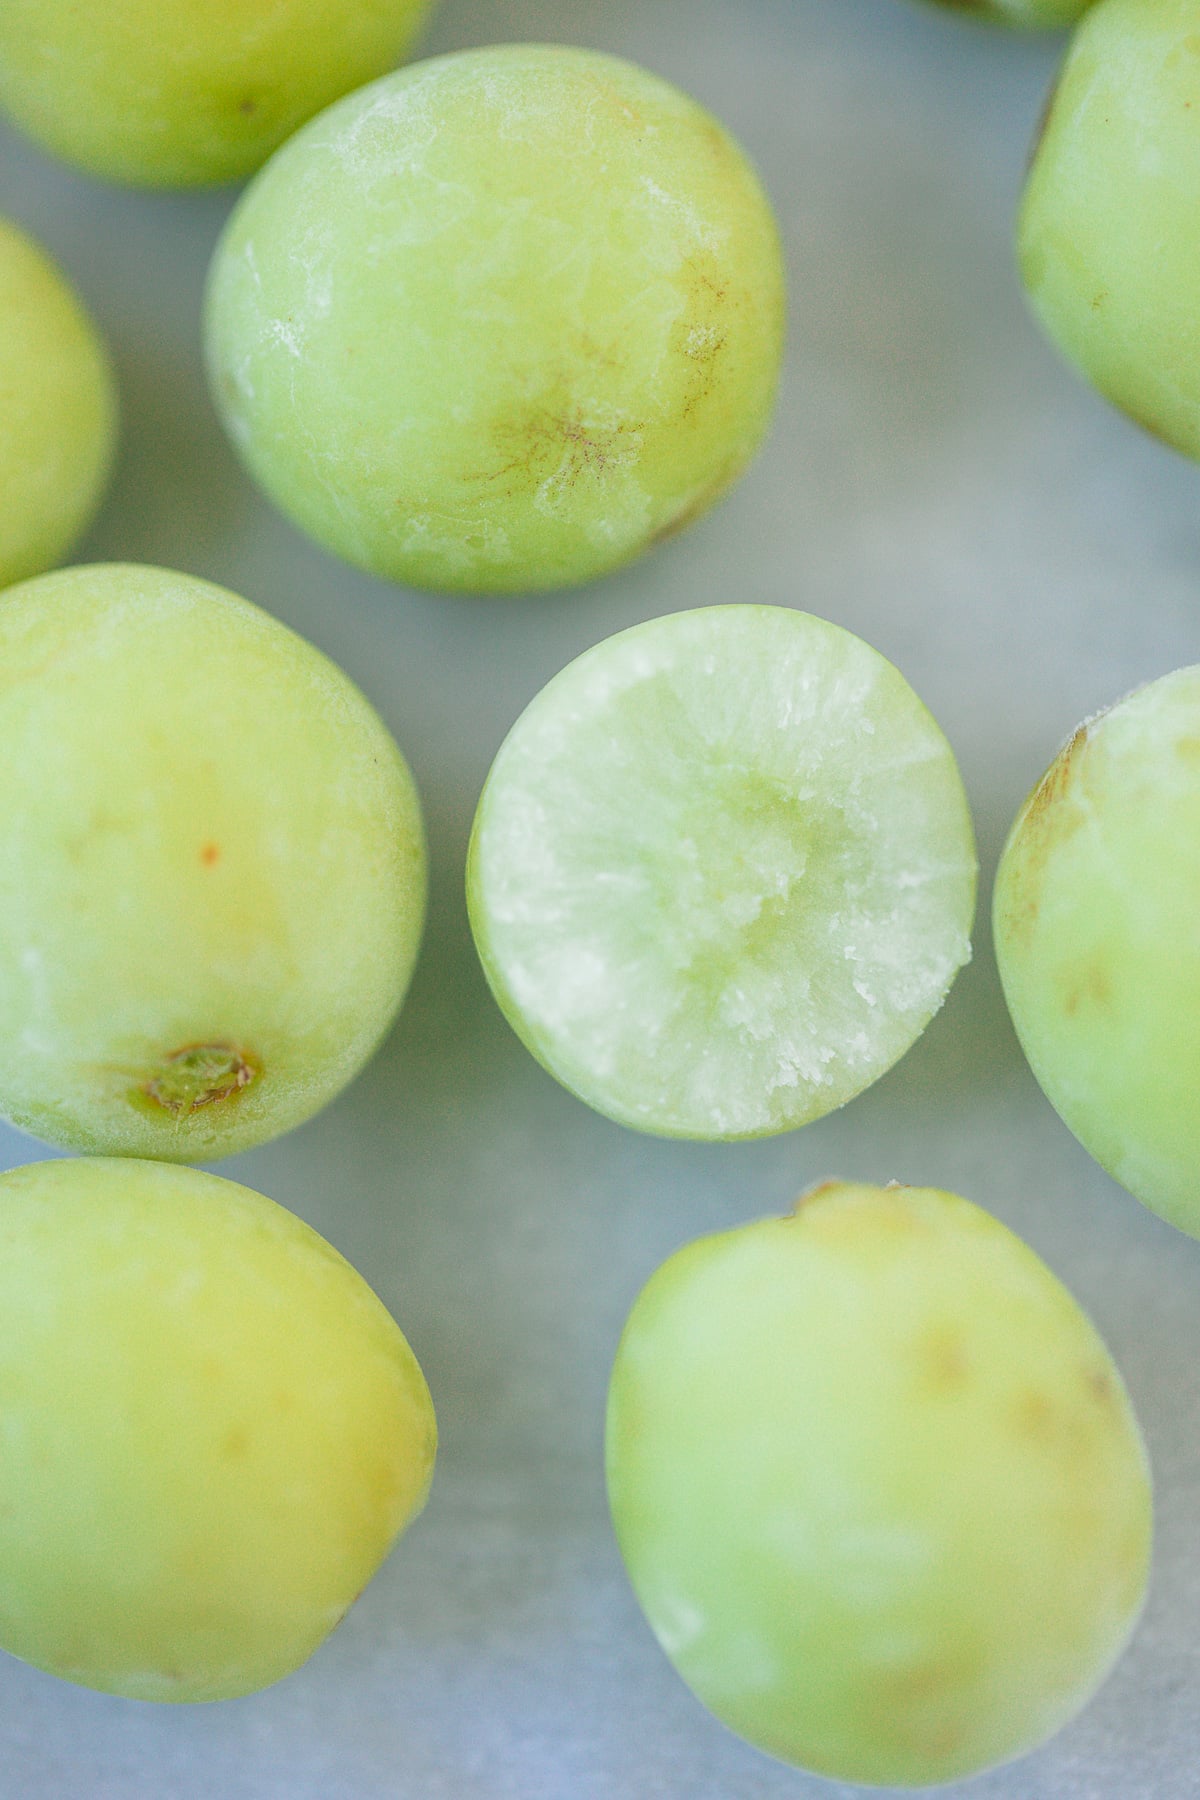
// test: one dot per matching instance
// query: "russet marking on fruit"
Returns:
(200, 1075)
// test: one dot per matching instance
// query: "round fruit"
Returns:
(499, 321)
(213, 1431)
(877, 1485)
(722, 873)
(1111, 213)
(212, 871)
(58, 410)
(177, 93)
(1096, 904)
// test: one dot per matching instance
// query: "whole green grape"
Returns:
(1024, 15)
(212, 868)
(722, 872)
(58, 410)
(878, 1486)
(499, 321)
(1111, 212)
(213, 1431)
(179, 93)
(1095, 915)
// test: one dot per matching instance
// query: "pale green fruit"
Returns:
(499, 321)
(178, 93)
(212, 870)
(878, 1486)
(213, 1431)
(1024, 15)
(722, 873)
(1111, 215)
(58, 410)
(1096, 914)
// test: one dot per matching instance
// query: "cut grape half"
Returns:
(722, 872)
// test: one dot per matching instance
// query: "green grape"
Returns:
(1095, 926)
(179, 93)
(58, 410)
(212, 869)
(1024, 15)
(1111, 212)
(722, 872)
(878, 1486)
(500, 321)
(213, 1431)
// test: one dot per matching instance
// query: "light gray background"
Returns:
(937, 482)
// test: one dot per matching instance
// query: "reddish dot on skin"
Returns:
(209, 855)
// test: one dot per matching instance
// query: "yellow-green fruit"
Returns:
(212, 868)
(1097, 923)
(58, 410)
(878, 1485)
(213, 1431)
(1110, 219)
(499, 321)
(178, 93)
(1023, 15)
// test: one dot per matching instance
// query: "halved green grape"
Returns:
(212, 869)
(58, 410)
(722, 873)
(1111, 212)
(178, 93)
(213, 1431)
(878, 1486)
(1025, 15)
(499, 321)
(1095, 914)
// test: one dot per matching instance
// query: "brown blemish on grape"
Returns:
(1091, 983)
(235, 1443)
(199, 1075)
(814, 1193)
(942, 1354)
(692, 510)
(559, 446)
(1043, 123)
(1100, 1386)
(209, 854)
(1042, 825)
(1035, 1417)
(1142, 418)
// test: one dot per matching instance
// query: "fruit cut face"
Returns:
(722, 872)
(878, 1486)
(1097, 925)
(212, 868)
(499, 321)
(213, 1430)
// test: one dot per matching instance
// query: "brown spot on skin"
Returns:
(1099, 1385)
(1099, 299)
(1140, 417)
(814, 1193)
(1091, 983)
(247, 107)
(559, 445)
(209, 854)
(1043, 124)
(1035, 1418)
(1044, 822)
(235, 1443)
(198, 1075)
(942, 1357)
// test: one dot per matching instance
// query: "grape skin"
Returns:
(183, 93)
(212, 870)
(214, 1431)
(500, 321)
(1110, 215)
(877, 1485)
(1095, 926)
(58, 411)
(722, 872)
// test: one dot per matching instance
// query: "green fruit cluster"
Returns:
(503, 321)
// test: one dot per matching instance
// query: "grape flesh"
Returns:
(181, 93)
(212, 868)
(499, 321)
(722, 872)
(878, 1486)
(1111, 212)
(214, 1431)
(1095, 925)
(58, 411)
(1024, 15)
